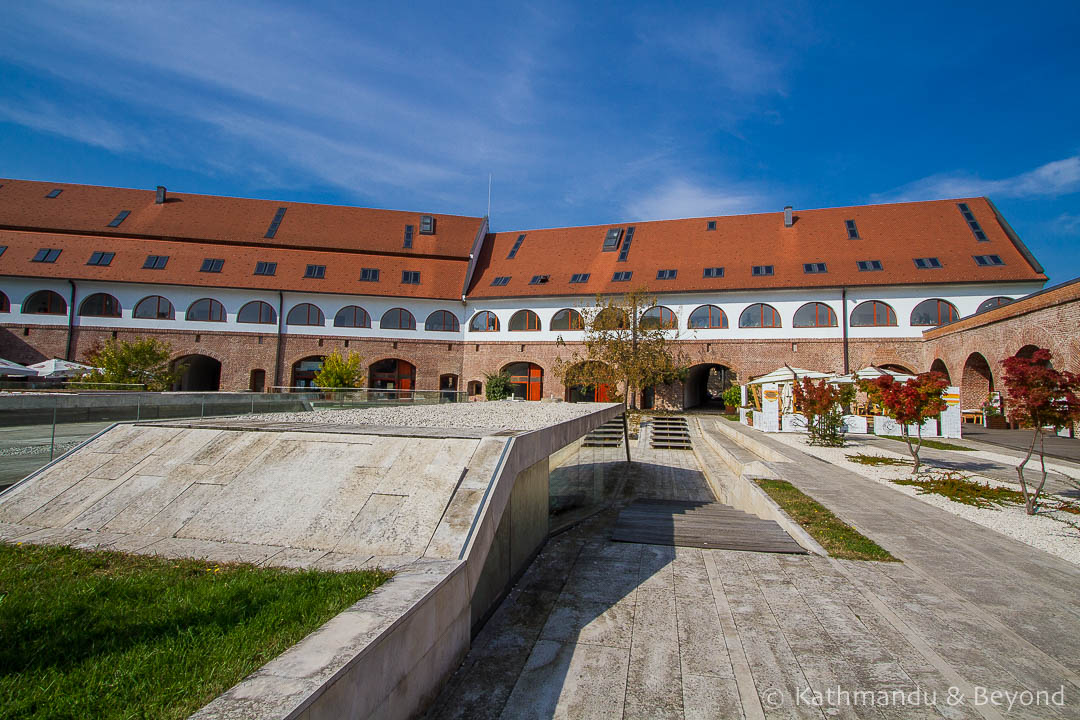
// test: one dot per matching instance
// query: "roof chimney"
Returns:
(160, 195)
(788, 220)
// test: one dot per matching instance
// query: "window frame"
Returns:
(307, 311)
(890, 314)
(761, 317)
(456, 326)
(402, 314)
(708, 307)
(212, 305)
(572, 317)
(261, 305)
(355, 312)
(491, 321)
(108, 299)
(816, 305)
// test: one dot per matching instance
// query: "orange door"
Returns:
(603, 393)
(536, 383)
(405, 384)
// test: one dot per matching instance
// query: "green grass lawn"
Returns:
(108, 635)
(839, 539)
(933, 444)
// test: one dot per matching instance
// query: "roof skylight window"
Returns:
(972, 222)
(410, 277)
(517, 246)
(408, 236)
(500, 281)
(46, 255)
(713, 272)
(318, 272)
(929, 263)
(54, 193)
(814, 268)
(212, 265)
(155, 262)
(988, 260)
(577, 278)
(852, 231)
(623, 276)
(103, 259)
(265, 268)
(275, 223)
(666, 274)
(369, 274)
(3, 248)
(611, 239)
(711, 225)
(761, 270)
(539, 279)
(119, 218)
(869, 265)
(625, 251)
(427, 224)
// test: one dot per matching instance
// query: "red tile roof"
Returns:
(894, 234)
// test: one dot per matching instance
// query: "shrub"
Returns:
(339, 371)
(820, 405)
(497, 386)
(732, 397)
(909, 403)
(144, 362)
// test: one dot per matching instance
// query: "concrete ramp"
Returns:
(291, 498)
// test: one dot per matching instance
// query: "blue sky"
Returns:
(583, 113)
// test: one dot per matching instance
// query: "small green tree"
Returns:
(732, 397)
(496, 386)
(144, 362)
(910, 403)
(629, 341)
(340, 371)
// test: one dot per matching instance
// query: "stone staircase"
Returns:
(609, 435)
(669, 433)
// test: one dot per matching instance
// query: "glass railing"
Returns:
(37, 427)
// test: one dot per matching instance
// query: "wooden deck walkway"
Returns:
(701, 525)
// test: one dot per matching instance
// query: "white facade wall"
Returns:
(903, 300)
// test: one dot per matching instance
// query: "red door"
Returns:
(603, 393)
(536, 383)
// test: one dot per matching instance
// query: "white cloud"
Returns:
(1059, 177)
(1065, 224)
(680, 198)
(82, 127)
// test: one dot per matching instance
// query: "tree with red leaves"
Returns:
(1040, 397)
(820, 405)
(909, 403)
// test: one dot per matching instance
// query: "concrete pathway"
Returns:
(1064, 448)
(603, 629)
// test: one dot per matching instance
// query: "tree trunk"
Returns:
(1029, 500)
(907, 438)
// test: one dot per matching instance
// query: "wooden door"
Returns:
(536, 383)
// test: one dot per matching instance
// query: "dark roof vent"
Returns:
(789, 220)
(159, 199)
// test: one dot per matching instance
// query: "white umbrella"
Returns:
(59, 368)
(9, 368)
(871, 372)
(788, 374)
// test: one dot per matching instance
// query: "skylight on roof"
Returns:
(713, 272)
(369, 274)
(539, 279)
(666, 274)
(517, 246)
(852, 231)
(410, 277)
(625, 251)
(3, 248)
(265, 268)
(577, 278)
(119, 218)
(427, 224)
(814, 268)
(408, 236)
(155, 262)
(54, 193)
(501, 281)
(869, 265)
(928, 263)
(969, 216)
(101, 258)
(275, 223)
(711, 225)
(761, 270)
(611, 239)
(212, 265)
(622, 276)
(318, 272)
(988, 260)
(46, 255)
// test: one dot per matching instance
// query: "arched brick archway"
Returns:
(201, 373)
(939, 366)
(977, 381)
(705, 383)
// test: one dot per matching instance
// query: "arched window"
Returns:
(814, 314)
(658, 317)
(397, 319)
(707, 317)
(5, 304)
(994, 302)
(759, 315)
(524, 320)
(305, 314)
(206, 310)
(153, 307)
(484, 321)
(352, 316)
(44, 302)
(257, 312)
(611, 318)
(934, 312)
(442, 321)
(567, 320)
(100, 305)
(873, 313)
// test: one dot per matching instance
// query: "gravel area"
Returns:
(500, 415)
(1046, 531)
(39, 449)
